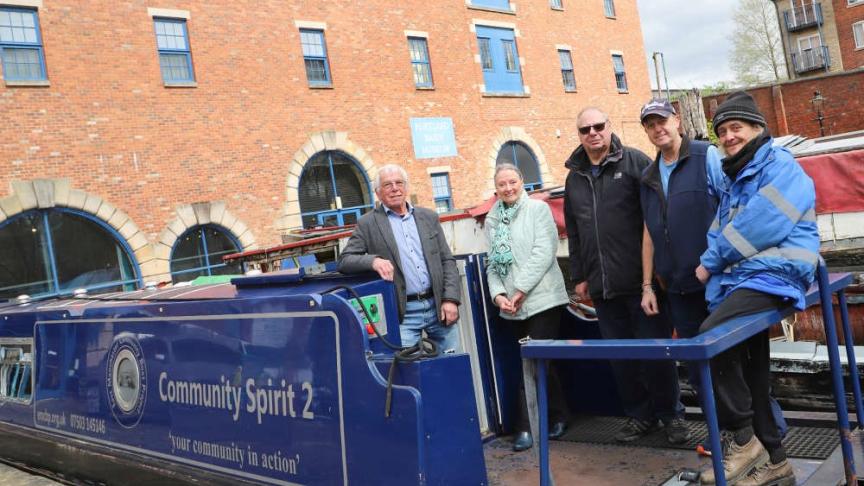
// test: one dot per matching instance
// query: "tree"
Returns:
(757, 49)
(718, 87)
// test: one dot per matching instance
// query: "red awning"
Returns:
(839, 180)
(555, 203)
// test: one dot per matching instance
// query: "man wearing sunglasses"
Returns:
(605, 231)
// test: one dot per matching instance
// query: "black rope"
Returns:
(424, 348)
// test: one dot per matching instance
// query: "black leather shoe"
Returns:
(522, 442)
(557, 430)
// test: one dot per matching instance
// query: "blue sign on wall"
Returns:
(433, 137)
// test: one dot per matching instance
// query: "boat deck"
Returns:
(589, 455)
(588, 464)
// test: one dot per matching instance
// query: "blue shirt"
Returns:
(713, 166)
(411, 257)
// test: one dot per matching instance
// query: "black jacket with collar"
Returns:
(604, 221)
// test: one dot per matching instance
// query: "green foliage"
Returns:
(718, 87)
(757, 49)
(712, 137)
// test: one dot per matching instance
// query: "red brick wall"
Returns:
(843, 106)
(108, 123)
(847, 15)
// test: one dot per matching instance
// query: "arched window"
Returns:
(55, 251)
(520, 155)
(333, 190)
(199, 251)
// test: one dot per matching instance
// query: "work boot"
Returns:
(738, 460)
(635, 428)
(770, 474)
(676, 430)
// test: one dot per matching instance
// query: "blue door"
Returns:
(499, 60)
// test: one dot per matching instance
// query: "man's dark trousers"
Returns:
(648, 388)
(741, 374)
(687, 311)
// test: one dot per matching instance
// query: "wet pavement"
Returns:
(10, 476)
(578, 464)
(584, 464)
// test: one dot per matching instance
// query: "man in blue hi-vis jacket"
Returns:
(763, 248)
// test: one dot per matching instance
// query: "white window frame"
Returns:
(858, 37)
(810, 39)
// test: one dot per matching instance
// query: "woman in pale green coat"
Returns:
(525, 280)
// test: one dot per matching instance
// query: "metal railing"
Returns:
(811, 59)
(803, 17)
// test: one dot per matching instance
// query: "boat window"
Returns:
(333, 190)
(53, 252)
(199, 251)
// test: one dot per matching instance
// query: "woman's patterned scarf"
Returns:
(500, 251)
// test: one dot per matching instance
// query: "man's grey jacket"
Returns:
(373, 237)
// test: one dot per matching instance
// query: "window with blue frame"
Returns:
(620, 73)
(520, 155)
(420, 66)
(21, 45)
(609, 8)
(175, 57)
(315, 57)
(441, 192)
(333, 190)
(52, 252)
(496, 4)
(556, 4)
(499, 59)
(199, 252)
(484, 44)
(567, 70)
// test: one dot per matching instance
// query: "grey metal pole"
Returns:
(657, 72)
(666, 78)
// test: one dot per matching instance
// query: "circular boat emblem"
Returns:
(126, 380)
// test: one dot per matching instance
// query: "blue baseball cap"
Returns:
(660, 107)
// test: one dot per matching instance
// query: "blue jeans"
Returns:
(422, 315)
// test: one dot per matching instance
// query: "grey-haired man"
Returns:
(405, 244)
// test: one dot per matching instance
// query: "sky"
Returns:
(693, 37)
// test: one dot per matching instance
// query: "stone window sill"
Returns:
(23, 83)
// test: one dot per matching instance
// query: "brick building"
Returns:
(810, 38)
(830, 104)
(821, 37)
(142, 141)
(849, 16)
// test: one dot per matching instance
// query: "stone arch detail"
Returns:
(515, 134)
(59, 193)
(317, 142)
(190, 216)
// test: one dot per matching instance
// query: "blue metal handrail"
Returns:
(701, 349)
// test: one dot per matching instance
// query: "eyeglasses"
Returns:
(387, 186)
(598, 127)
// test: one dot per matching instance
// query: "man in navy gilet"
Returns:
(680, 193)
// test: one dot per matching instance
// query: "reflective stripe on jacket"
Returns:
(765, 226)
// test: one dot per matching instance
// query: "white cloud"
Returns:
(693, 36)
